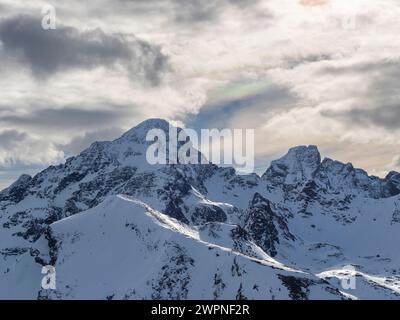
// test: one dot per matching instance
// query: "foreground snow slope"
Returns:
(123, 249)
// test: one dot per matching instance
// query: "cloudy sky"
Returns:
(322, 72)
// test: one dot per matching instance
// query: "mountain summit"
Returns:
(199, 231)
(298, 165)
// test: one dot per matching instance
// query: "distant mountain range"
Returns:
(116, 227)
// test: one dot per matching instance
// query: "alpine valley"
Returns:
(115, 227)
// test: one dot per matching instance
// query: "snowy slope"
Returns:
(138, 252)
(305, 213)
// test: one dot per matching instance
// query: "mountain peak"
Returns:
(147, 125)
(309, 151)
(297, 165)
(138, 133)
(303, 218)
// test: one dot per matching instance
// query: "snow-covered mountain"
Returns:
(116, 227)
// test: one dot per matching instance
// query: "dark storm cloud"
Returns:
(380, 103)
(8, 138)
(50, 51)
(68, 117)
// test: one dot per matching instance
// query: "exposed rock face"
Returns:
(302, 214)
(264, 226)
